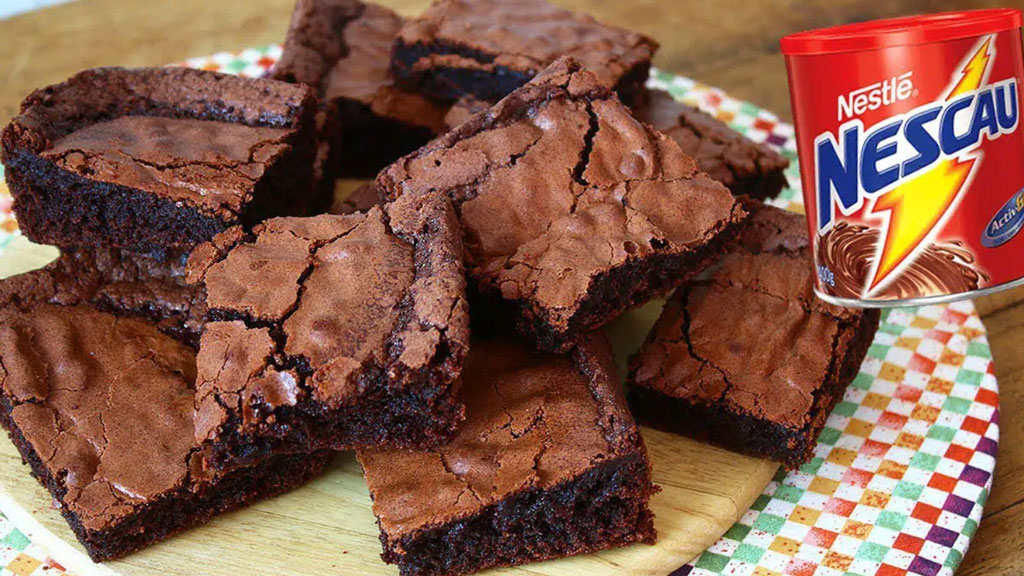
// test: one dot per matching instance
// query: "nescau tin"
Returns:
(912, 155)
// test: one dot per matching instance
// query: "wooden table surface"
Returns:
(732, 44)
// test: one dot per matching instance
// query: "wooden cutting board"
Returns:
(327, 527)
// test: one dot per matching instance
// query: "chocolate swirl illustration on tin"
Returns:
(848, 252)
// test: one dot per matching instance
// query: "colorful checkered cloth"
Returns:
(20, 557)
(902, 468)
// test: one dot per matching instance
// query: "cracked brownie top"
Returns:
(343, 48)
(532, 422)
(725, 154)
(521, 35)
(105, 402)
(753, 336)
(201, 138)
(319, 310)
(558, 186)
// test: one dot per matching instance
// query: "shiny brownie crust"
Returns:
(604, 508)
(337, 331)
(749, 358)
(98, 390)
(747, 168)
(128, 284)
(743, 432)
(162, 518)
(572, 210)
(549, 463)
(450, 83)
(68, 197)
(450, 51)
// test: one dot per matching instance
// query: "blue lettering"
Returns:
(876, 149)
(928, 150)
(950, 141)
(859, 164)
(840, 175)
(984, 117)
(1007, 96)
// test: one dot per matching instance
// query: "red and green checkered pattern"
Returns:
(902, 469)
(903, 466)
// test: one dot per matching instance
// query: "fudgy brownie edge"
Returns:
(83, 198)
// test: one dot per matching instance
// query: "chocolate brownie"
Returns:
(332, 332)
(152, 287)
(549, 463)
(101, 407)
(744, 166)
(749, 358)
(158, 158)
(488, 48)
(342, 49)
(571, 209)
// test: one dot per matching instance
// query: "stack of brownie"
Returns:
(212, 333)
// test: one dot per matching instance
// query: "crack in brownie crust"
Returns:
(332, 332)
(342, 49)
(571, 208)
(549, 463)
(454, 48)
(158, 158)
(101, 407)
(744, 166)
(749, 358)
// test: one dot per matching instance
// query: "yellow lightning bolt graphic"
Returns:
(973, 72)
(915, 207)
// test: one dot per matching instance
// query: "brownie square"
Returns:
(749, 359)
(455, 47)
(571, 209)
(101, 407)
(158, 158)
(744, 166)
(332, 332)
(342, 49)
(549, 463)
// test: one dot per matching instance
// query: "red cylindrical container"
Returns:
(912, 156)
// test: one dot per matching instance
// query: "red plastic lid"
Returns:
(908, 30)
